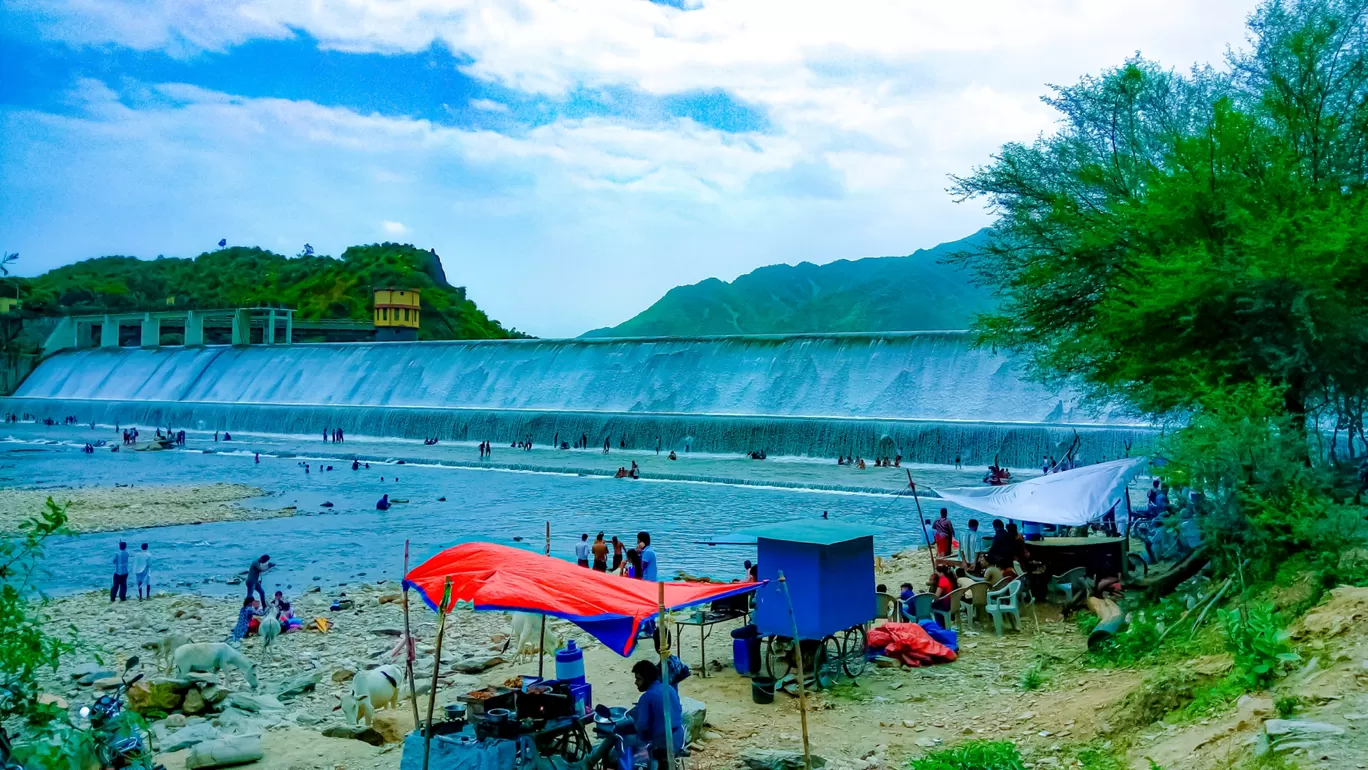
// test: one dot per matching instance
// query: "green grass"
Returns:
(1033, 678)
(974, 755)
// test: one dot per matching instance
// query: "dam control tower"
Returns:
(396, 315)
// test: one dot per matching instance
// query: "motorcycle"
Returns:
(116, 735)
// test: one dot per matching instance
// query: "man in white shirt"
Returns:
(582, 550)
(971, 545)
(142, 571)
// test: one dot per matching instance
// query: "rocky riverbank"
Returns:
(106, 509)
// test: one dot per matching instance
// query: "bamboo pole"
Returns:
(930, 551)
(408, 645)
(442, 610)
(541, 638)
(665, 677)
(802, 689)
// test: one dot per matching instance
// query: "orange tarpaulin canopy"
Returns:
(609, 607)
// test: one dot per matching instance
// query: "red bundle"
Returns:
(909, 644)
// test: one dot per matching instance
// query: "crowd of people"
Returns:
(638, 562)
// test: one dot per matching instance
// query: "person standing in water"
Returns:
(606, 444)
(600, 552)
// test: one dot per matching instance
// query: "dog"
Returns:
(213, 658)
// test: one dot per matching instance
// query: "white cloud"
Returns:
(394, 228)
(488, 105)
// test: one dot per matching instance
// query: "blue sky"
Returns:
(570, 160)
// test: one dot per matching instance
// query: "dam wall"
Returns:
(932, 394)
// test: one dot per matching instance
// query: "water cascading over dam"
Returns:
(932, 394)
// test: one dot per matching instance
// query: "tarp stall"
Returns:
(1071, 498)
(609, 607)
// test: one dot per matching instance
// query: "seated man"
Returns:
(649, 715)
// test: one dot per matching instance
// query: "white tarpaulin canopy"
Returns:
(1071, 498)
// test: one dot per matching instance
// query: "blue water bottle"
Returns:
(570, 664)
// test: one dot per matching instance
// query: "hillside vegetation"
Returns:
(915, 292)
(317, 287)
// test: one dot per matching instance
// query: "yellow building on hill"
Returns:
(396, 314)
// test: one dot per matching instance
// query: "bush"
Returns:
(974, 755)
(25, 646)
(1258, 643)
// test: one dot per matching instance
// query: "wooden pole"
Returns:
(802, 688)
(665, 676)
(931, 551)
(541, 638)
(408, 645)
(442, 610)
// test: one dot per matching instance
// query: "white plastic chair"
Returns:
(944, 617)
(1063, 584)
(975, 598)
(1004, 603)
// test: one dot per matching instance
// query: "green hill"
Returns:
(317, 287)
(909, 293)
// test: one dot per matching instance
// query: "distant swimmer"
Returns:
(258, 458)
(356, 464)
(383, 504)
(606, 444)
(673, 456)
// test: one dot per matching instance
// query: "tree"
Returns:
(1184, 233)
(25, 646)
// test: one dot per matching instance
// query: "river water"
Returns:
(351, 541)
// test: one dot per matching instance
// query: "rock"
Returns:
(86, 669)
(926, 742)
(695, 718)
(909, 724)
(160, 693)
(194, 702)
(305, 718)
(885, 662)
(343, 674)
(776, 759)
(253, 703)
(384, 631)
(393, 724)
(298, 685)
(357, 733)
(107, 683)
(342, 604)
(90, 677)
(391, 598)
(174, 721)
(1282, 736)
(223, 752)
(313, 589)
(476, 664)
(48, 699)
(213, 694)
(186, 737)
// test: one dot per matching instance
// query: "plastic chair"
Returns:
(1004, 603)
(975, 603)
(1064, 584)
(919, 607)
(887, 607)
(943, 617)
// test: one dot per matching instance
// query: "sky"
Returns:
(570, 160)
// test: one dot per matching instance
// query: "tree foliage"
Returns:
(25, 646)
(315, 286)
(1184, 233)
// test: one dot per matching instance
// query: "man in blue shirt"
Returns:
(650, 713)
(120, 587)
(648, 556)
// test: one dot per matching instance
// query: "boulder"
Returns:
(107, 683)
(298, 685)
(394, 724)
(384, 631)
(777, 759)
(194, 702)
(157, 694)
(391, 598)
(186, 737)
(225, 752)
(253, 703)
(476, 664)
(174, 721)
(695, 716)
(213, 694)
(357, 733)
(343, 674)
(1281, 736)
(48, 699)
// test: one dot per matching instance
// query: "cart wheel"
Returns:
(854, 651)
(778, 660)
(826, 662)
(572, 744)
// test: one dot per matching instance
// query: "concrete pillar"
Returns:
(269, 336)
(242, 327)
(151, 331)
(289, 327)
(194, 328)
(109, 332)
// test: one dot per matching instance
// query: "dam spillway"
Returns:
(932, 394)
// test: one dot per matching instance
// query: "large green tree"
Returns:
(1183, 233)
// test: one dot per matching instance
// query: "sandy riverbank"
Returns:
(105, 509)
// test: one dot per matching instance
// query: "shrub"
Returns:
(25, 646)
(974, 755)
(1258, 643)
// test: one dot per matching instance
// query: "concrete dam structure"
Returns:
(932, 394)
